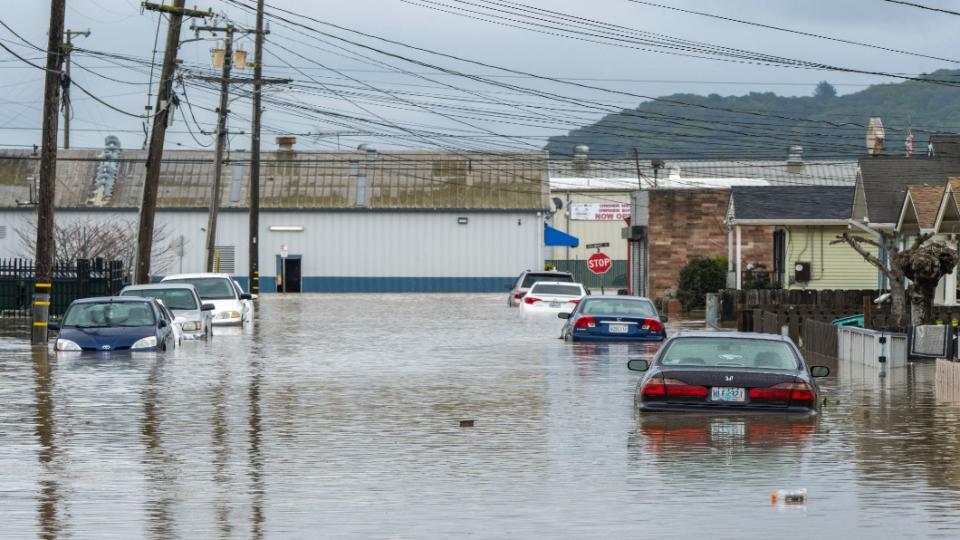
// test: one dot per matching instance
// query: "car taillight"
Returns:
(531, 300)
(585, 322)
(783, 392)
(518, 295)
(652, 325)
(574, 301)
(672, 388)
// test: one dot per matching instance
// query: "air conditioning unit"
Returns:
(801, 272)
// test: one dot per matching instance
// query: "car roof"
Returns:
(547, 273)
(617, 297)
(198, 275)
(556, 283)
(158, 286)
(732, 335)
(112, 299)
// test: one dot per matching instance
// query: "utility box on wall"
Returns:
(801, 272)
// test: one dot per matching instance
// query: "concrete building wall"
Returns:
(835, 266)
(349, 250)
(689, 223)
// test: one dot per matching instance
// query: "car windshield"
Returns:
(737, 353)
(556, 290)
(211, 288)
(530, 279)
(172, 298)
(109, 314)
(618, 307)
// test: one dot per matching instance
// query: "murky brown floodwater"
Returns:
(338, 416)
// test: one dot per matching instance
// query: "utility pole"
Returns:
(67, 105)
(254, 249)
(151, 183)
(221, 141)
(48, 176)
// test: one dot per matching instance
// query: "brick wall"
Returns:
(685, 223)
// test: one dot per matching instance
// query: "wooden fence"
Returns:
(817, 338)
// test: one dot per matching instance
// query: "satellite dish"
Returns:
(558, 202)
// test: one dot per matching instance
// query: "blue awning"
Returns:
(556, 237)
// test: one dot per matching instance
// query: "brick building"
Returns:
(687, 223)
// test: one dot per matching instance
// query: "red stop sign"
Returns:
(599, 263)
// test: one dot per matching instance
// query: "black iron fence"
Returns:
(79, 279)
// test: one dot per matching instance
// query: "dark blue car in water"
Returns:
(115, 323)
(613, 318)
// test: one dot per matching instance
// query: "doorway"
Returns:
(290, 272)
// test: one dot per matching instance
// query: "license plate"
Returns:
(554, 304)
(726, 393)
(728, 429)
(619, 328)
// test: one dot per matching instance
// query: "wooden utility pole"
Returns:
(254, 248)
(221, 143)
(67, 105)
(151, 183)
(43, 275)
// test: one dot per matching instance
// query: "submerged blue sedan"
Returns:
(127, 323)
(613, 318)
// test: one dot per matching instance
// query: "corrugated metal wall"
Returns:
(355, 251)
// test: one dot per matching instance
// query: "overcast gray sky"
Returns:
(363, 92)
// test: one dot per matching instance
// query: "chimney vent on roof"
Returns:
(286, 144)
(795, 159)
(875, 137)
(581, 152)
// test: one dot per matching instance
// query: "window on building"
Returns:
(225, 259)
(3, 232)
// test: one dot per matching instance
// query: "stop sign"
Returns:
(599, 263)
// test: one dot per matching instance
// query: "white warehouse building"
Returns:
(357, 221)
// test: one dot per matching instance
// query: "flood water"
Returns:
(339, 417)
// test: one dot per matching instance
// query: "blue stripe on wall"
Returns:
(349, 284)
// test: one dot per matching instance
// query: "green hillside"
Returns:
(765, 125)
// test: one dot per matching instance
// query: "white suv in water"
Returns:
(232, 306)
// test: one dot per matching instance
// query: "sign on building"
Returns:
(599, 211)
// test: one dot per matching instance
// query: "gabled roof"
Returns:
(791, 203)
(920, 208)
(296, 180)
(948, 213)
(884, 181)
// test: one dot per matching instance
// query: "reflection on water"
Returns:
(339, 416)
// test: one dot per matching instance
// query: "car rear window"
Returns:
(735, 353)
(213, 288)
(621, 307)
(172, 298)
(109, 315)
(556, 290)
(530, 279)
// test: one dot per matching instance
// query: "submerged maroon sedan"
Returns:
(728, 371)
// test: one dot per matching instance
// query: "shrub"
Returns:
(700, 276)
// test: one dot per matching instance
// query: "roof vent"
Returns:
(581, 152)
(795, 159)
(875, 137)
(286, 143)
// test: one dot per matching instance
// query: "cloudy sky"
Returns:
(351, 88)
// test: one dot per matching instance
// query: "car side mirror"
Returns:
(254, 296)
(664, 318)
(162, 324)
(207, 307)
(246, 296)
(53, 326)
(563, 315)
(819, 371)
(638, 364)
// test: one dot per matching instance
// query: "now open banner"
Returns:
(599, 211)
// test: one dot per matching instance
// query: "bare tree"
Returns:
(108, 238)
(923, 264)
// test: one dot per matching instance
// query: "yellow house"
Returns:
(806, 220)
